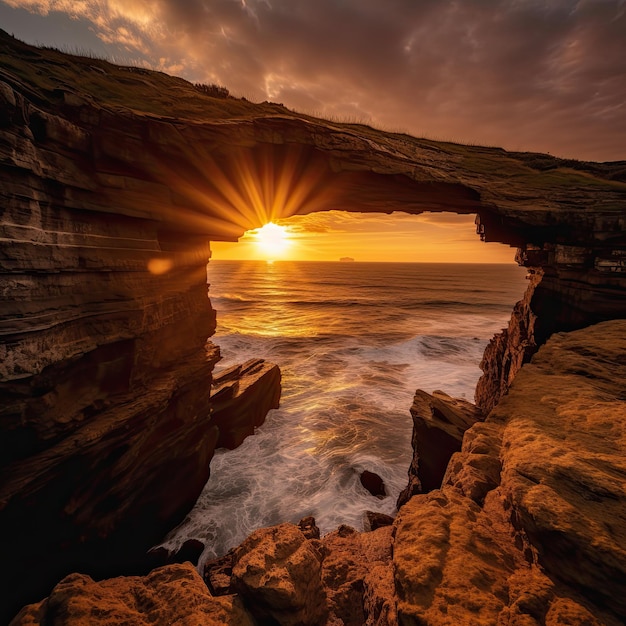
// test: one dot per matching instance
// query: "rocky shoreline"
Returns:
(108, 422)
(527, 528)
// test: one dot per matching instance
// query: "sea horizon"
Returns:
(272, 261)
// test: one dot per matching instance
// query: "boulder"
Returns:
(174, 594)
(277, 572)
(373, 483)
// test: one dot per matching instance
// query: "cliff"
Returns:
(112, 183)
(527, 528)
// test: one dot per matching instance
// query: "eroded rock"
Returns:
(277, 571)
(241, 397)
(358, 577)
(174, 594)
(564, 460)
(439, 423)
(528, 526)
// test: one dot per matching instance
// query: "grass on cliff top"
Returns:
(44, 74)
(44, 71)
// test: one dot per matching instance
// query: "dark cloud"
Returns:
(546, 75)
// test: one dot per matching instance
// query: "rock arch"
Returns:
(104, 374)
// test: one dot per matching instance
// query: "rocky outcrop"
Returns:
(373, 483)
(564, 460)
(168, 595)
(277, 571)
(527, 528)
(570, 287)
(439, 423)
(241, 397)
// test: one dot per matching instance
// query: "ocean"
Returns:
(353, 341)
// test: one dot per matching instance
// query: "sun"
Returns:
(272, 240)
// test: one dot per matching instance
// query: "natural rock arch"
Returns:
(104, 375)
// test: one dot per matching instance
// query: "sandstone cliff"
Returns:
(527, 529)
(112, 183)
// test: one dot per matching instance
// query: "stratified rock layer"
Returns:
(241, 397)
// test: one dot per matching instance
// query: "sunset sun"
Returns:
(272, 240)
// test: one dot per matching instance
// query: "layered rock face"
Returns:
(241, 397)
(105, 369)
(570, 287)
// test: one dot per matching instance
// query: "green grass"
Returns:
(46, 70)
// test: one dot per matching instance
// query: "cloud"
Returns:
(342, 222)
(545, 75)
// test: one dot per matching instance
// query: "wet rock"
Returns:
(439, 422)
(241, 397)
(373, 483)
(168, 595)
(277, 572)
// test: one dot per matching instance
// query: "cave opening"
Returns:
(354, 340)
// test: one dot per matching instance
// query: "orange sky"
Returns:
(328, 236)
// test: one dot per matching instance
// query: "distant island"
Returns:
(347, 259)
